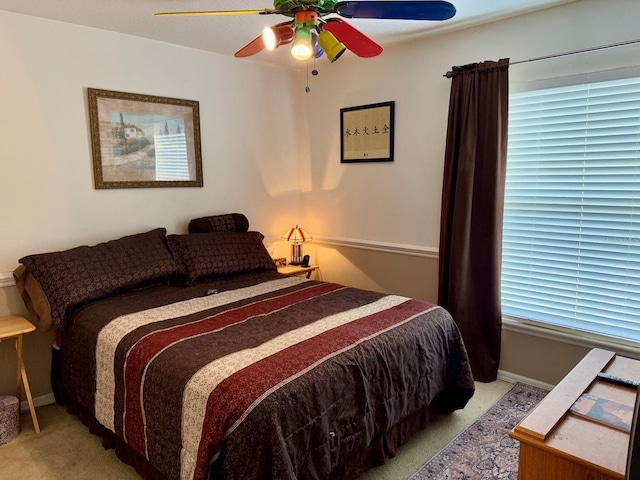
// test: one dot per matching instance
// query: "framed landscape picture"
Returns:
(144, 141)
(367, 133)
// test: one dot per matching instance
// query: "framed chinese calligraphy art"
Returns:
(367, 133)
(144, 141)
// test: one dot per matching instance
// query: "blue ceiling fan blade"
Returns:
(396, 9)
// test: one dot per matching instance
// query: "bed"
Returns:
(194, 358)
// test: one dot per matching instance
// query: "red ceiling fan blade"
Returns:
(253, 47)
(353, 39)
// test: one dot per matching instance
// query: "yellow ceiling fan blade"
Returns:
(214, 12)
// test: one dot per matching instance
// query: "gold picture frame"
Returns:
(367, 133)
(144, 141)
(280, 262)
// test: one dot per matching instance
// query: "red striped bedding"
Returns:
(272, 377)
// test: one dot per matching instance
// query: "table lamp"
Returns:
(296, 236)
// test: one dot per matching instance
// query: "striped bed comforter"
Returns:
(273, 377)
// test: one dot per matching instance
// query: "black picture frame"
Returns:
(367, 133)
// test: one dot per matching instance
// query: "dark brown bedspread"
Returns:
(271, 377)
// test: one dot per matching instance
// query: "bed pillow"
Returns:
(230, 222)
(74, 277)
(220, 254)
(33, 297)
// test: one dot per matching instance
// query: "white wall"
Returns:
(258, 166)
(399, 202)
(48, 201)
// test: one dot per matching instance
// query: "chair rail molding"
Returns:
(385, 247)
(399, 248)
(6, 279)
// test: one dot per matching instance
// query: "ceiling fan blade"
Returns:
(397, 10)
(251, 48)
(215, 12)
(356, 41)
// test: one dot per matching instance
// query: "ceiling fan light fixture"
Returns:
(317, 49)
(331, 46)
(307, 18)
(302, 48)
(274, 37)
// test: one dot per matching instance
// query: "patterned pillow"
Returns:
(230, 222)
(74, 277)
(33, 297)
(218, 254)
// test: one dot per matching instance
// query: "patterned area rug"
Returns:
(484, 451)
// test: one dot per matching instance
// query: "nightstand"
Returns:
(297, 270)
(15, 327)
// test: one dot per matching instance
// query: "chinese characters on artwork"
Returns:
(367, 133)
(366, 130)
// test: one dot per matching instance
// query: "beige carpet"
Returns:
(66, 450)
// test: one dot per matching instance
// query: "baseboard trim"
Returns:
(40, 401)
(514, 378)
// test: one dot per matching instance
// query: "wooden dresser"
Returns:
(558, 445)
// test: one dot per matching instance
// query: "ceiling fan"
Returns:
(311, 34)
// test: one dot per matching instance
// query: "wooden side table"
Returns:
(297, 270)
(15, 327)
(555, 444)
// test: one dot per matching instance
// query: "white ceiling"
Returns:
(227, 34)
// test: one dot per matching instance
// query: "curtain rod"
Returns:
(449, 74)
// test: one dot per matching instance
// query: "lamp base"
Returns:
(296, 254)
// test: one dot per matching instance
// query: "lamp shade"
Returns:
(302, 48)
(331, 46)
(275, 36)
(296, 235)
(317, 49)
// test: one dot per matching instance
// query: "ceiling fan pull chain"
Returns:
(307, 89)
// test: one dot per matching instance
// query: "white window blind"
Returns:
(571, 241)
(172, 162)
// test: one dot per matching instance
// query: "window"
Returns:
(571, 241)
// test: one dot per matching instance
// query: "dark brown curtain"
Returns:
(472, 207)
